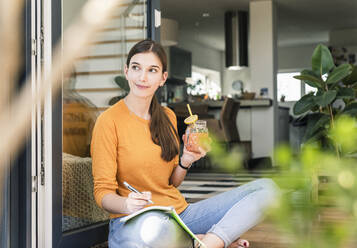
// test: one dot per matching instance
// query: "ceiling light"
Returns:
(206, 14)
(235, 68)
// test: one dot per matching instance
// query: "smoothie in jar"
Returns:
(196, 136)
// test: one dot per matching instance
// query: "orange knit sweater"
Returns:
(122, 150)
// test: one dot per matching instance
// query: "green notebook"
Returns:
(172, 212)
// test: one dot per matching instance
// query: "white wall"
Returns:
(230, 76)
(295, 58)
(202, 56)
(352, 49)
(263, 66)
(343, 37)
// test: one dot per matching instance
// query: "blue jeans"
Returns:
(227, 215)
(232, 213)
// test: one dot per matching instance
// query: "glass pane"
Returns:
(205, 82)
(90, 89)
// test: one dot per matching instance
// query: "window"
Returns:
(204, 82)
(198, 86)
(309, 89)
(289, 88)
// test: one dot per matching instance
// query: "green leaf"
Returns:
(316, 137)
(122, 83)
(352, 78)
(315, 124)
(304, 104)
(320, 92)
(334, 85)
(339, 73)
(310, 78)
(322, 61)
(345, 93)
(326, 98)
(351, 109)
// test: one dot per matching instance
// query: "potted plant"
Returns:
(124, 85)
(335, 95)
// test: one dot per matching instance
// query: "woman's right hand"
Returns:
(137, 201)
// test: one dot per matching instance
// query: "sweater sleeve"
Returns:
(104, 156)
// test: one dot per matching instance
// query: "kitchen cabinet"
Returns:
(180, 63)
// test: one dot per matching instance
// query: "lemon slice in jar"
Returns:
(191, 119)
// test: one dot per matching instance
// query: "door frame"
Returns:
(19, 213)
(153, 19)
(50, 212)
(51, 230)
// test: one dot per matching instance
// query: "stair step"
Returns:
(97, 89)
(114, 41)
(122, 28)
(109, 56)
(85, 73)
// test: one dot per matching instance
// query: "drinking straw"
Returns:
(189, 109)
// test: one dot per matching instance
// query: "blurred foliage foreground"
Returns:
(318, 204)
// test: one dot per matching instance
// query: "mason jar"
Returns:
(196, 135)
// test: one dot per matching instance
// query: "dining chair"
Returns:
(225, 129)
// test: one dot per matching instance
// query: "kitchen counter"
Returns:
(210, 104)
(211, 109)
(259, 102)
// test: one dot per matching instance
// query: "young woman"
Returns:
(136, 141)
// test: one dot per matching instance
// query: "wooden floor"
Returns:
(265, 235)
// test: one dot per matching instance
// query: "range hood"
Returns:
(236, 39)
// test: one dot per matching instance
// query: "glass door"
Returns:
(90, 88)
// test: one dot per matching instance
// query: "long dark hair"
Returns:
(163, 132)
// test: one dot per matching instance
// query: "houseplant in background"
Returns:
(196, 90)
(335, 95)
(330, 221)
(309, 213)
(298, 219)
(123, 84)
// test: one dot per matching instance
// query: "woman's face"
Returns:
(145, 74)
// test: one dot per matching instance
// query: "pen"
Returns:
(131, 188)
